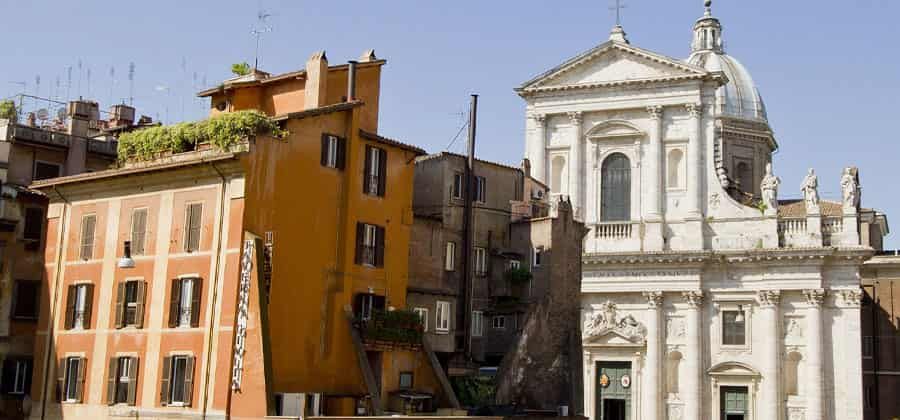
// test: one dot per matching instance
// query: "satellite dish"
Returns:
(43, 114)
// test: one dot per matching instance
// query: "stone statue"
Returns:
(810, 190)
(769, 187)
(850, 189)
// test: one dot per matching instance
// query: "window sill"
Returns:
(442, 332)
(734, 347)
(70, 402)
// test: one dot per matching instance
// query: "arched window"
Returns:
(673, 363)
(557, 175)
(745, 177)
(675, 168)
(791, 373)
(615, 195)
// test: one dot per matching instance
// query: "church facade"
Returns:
(704, 296)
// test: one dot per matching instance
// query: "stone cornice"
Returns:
(816, 255)
(619, 83)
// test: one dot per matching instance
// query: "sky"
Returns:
(827, 69)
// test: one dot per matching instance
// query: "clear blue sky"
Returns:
(828, 69)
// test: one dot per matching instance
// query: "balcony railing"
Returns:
(614, 230)
(391, 330)
(831, 226)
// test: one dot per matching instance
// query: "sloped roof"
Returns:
(797, 208)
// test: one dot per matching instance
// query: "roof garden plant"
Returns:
(8, 110)
(222, 131)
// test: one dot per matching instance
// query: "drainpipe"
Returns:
(214, 287)
(51, 317)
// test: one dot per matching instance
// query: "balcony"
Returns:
(616, 236)
(391, 330)
(102, 147)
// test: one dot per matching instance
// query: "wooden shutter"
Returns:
(132, 381)
(120, 305)
(341, 153)
(138, 231)
(79, 386)
(188, 380)
(323, 159)
(192, 227)
(382, 171)
(70, 306)
(88, 305)
(379, 246)
(175, 303)
(164, 383)
(88, 225)
(111, 380)
(60, 379)
(139, 308)
(195, 302)
(8, 375)
(367, 169)
(360, 237)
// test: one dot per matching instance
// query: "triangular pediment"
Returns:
(613, 63)
(613, 338)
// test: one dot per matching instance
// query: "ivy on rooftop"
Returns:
(222, 131)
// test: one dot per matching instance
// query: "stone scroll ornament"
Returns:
(810, 188)
(243, 315)
(606, 320)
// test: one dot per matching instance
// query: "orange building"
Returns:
(268, 278)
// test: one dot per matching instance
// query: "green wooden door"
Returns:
(613, 391)
(734, 402)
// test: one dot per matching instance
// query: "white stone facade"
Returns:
(688, 249)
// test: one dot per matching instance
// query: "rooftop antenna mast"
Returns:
(131, 83)
(618, 9)
(262, 27)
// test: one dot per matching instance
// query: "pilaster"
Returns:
(651, 391)
(576, 179)
(539, 153)
(814, 357)
(693, 359)
(771, 401)
(652, 163)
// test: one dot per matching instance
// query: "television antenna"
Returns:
(262, 27)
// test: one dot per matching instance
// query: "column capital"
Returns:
(694, 298)
(655, 111)
(814, 297)
(768, 298)
(695, 110)
(539, 119)
(576, 117)
(851, 298)
(654, 299)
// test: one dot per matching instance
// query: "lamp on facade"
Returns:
(740, 314)
(126, 261)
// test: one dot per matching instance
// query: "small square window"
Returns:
(734, 328)
(406, 380)
(498, 322)
(423, 315)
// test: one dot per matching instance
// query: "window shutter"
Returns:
(70, 306)
(132, 381)
(378, 302)
(87, 236)
(382, 171)
(111, 380)
(120, 305)
(341, 153)
(88, 305)
(138, 231)
(188, 380)
(164, 383)
(195, 302)
(61, 379)
(360, 235)
(379, 246)
(192, 227)
(79, 386)
(175, 303)
(367, 169)
(323, 159)
(139, 309)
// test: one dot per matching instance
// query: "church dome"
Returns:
(739, 97)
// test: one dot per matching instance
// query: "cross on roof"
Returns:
(618, 8)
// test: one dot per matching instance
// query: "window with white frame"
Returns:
(16, 379)
(480, 261)
(450, 257)
(423, 316)
(477, 323)
(193, 226)
(177, 381)
(498, 322)
(73, 379)
(333, 151)
(456, 190)
(88, 226)
(480, 189)
(537, 257)
(78, 306)
(515, 264)
(442, 316)
(122, 381)
(734, 328)
(184, 303)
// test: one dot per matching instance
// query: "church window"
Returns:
(615, 197)
(557, 181)
(791, 372)
(675, 169)
(733, 328)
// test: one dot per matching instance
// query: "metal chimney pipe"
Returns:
(351, 81)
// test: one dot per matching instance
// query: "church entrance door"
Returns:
(734, 402)
(613, 391)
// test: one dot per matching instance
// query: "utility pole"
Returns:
(468, 231)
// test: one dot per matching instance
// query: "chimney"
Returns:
(80, 114)
(121, 116)
(316, 80)
(351, 81)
